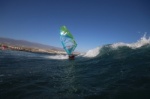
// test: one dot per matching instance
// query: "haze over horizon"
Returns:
(92, 22)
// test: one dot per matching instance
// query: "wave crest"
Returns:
(92, 52)
(143, 41)
(96, 51)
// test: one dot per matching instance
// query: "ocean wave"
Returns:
(92, 52)
(143, 41)
(96, 51)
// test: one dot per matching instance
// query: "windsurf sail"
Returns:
(67, 40)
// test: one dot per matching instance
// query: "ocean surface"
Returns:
(113, 71)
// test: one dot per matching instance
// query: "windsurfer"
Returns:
(68, 42)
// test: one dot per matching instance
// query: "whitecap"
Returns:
(143, 41)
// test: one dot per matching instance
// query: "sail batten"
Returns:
(67, 40)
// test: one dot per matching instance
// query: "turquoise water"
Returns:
(107, 72)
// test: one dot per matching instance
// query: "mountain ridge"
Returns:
(25, 43)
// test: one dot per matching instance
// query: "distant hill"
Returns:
(24, 43)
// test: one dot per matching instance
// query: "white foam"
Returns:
(143, 41)
(93, 52)
(59, 57)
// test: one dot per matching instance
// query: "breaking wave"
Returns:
(98, 50)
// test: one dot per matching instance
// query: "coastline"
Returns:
(33, 50)
(30, 49)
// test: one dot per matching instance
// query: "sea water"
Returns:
(114, 71)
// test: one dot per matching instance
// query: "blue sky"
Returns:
(92, 22)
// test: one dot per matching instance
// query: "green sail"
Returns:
(67, 40)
